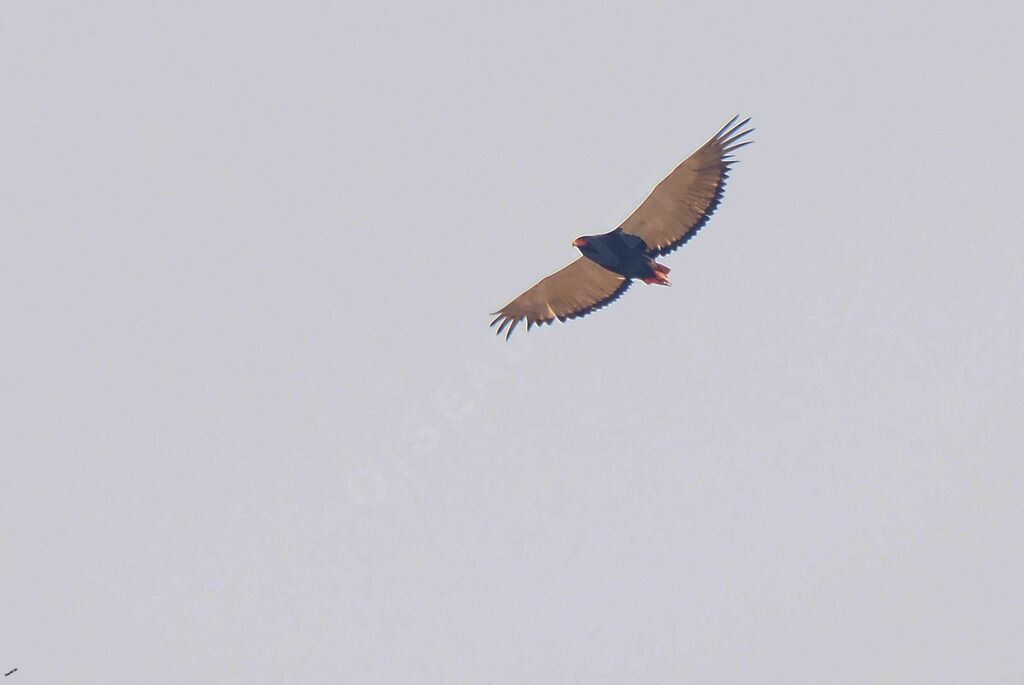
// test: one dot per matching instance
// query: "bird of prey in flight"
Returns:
(675, 210)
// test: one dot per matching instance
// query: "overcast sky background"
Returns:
(256, 429)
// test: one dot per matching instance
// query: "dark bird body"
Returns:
(675, 210)
(621, 253)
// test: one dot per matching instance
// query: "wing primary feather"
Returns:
(515, 322)
(733, 148)
(730, 123)
(722, 135)
(726, 142)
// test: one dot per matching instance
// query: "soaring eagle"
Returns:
(678, 207)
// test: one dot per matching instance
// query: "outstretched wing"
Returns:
(576, 290)
(681, 204)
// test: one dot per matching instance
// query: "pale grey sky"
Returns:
(256, 430)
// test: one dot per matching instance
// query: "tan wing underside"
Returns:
(682, 203)
(576, 290)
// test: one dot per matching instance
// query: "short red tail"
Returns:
(660, 276)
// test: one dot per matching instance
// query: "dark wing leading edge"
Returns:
(576, 290)
(681, 204)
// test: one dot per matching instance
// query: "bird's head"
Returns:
(581, 242)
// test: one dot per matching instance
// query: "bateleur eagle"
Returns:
(675, 210)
